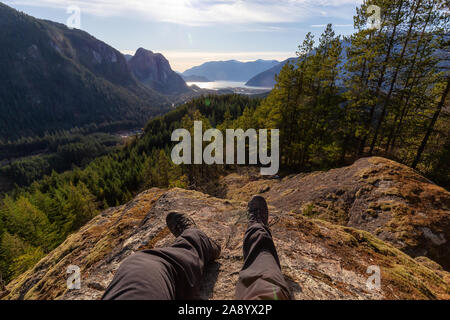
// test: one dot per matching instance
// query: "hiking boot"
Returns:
(179, 222)
(257, 211)
(215, 254)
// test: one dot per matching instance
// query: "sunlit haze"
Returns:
(189, 33)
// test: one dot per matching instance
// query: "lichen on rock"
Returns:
(320, 258)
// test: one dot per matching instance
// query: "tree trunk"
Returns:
(381, 78)
(394, 79)
(431, 126)
(396, 128)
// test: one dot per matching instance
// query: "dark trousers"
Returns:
(261, 277)
(173, 272)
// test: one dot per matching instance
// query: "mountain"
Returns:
(231, 70)
(154, 70)
(266, 78)
(53, 78)
(324, 252)
(128, 57)
(194, 78)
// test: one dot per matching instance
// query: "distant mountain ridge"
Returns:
(267, 78)
(195, 78)
(154, 70)
(231, 70)
(128, 57)
(57, 78)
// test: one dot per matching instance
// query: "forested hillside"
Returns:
(36, 219)
(54, 78)
(389, 98)
(319, 259)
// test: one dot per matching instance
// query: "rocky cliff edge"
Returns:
(329, 228)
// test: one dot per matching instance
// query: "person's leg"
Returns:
(260, 277)
(142, 276)
(165, 273)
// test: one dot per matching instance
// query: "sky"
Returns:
(191, 32)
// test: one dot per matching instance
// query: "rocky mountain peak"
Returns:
(142, 51)
(149, 59)
(154, 70)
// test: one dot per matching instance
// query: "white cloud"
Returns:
(201, 12)
(182, 60)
